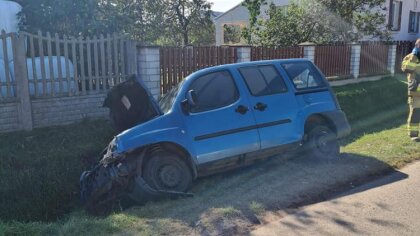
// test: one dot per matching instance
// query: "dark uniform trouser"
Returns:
(414, 104)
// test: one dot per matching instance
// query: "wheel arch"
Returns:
(319, 119)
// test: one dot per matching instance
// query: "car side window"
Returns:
(263, 80)
(303, 75)
(214, 90)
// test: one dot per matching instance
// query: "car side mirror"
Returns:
(192, 98)
(189, 102)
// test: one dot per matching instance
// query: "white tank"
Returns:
(72, 87)
(9, 22)
(9, 16)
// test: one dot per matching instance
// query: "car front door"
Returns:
(273, 104)
(220, 122)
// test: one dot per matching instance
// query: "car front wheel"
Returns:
(168, 172)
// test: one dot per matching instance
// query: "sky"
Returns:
(223, 5)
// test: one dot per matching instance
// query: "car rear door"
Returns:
(273, 104)
(220, 124)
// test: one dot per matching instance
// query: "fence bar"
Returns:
(50, 63)
(58, 52)
(34, 71)
(82, 64)
(103, 68)
(42, 60)
(6, 65)
(96, 62)
(66, 58)
(89, 64)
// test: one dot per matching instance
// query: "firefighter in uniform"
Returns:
(411, 66)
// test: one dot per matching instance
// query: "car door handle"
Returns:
(260, 106)
(242, 109)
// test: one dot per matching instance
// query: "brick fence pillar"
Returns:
(243, 53)
(392, 57)
(148, 64)
(355, 60)
(308, 51)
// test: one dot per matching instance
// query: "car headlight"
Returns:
(113, 146)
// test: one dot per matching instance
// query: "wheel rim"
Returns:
(169, 176)
(323, 142)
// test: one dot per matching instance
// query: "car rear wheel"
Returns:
(168, 172)
(322, 143)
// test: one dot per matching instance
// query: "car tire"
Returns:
(166, 171)
(322, 144)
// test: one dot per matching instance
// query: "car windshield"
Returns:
(166, 102)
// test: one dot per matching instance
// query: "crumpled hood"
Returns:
(131, 104)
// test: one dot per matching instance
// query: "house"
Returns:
(403, 18)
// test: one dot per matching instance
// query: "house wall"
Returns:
(407, 6)
(239, 15)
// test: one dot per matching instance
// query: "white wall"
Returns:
(239, 15)
(8, 22)
(407, 6)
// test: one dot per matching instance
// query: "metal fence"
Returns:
(374, 58)
(333, 60)
(178, 62)
(270, 53)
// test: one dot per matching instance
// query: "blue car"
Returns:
(216, 119)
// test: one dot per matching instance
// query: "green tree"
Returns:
(231, 34)
(142, 20)
(254, 9)
(61, 16)
(185, 17)
(170, 22)
(323, 21)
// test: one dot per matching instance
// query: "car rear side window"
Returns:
(304, 75)
(214, 90)
(263, 80)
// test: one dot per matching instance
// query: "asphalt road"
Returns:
(388, 206)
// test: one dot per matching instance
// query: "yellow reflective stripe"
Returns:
(410, 66)
(413, 127)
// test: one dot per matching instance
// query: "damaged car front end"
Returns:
(119, 171)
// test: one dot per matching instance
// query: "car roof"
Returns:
(242, 64)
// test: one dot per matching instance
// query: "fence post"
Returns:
(22, 84)
(392, 58)
(356, 49)
(308, 51)
(148, 61)
(243, 53)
